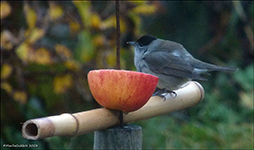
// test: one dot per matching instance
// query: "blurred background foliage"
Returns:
(47, 49)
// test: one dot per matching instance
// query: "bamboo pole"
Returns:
(102, 118)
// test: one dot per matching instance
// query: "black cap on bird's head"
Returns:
(144, 40)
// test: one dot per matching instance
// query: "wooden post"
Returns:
(126, 137)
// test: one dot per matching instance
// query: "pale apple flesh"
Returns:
(120, 89)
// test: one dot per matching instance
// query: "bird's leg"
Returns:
(160, 92)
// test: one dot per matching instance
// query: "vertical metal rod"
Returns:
(118, 65)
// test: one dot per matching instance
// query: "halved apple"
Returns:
(120, 89)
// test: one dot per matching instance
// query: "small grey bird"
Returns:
(171, 62)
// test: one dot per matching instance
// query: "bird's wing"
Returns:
(169, 64)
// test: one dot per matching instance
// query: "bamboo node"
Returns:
(77, 122)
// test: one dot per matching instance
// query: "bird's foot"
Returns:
(161, 93)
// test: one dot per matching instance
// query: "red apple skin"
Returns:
(120, 89)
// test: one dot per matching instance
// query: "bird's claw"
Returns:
(161, 94)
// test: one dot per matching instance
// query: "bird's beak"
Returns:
(130, 42)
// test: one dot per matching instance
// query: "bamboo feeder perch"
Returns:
(97, 119)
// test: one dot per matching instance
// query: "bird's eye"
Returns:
(140, 45)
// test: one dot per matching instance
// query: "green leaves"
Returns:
(246, 81)
(85, 49)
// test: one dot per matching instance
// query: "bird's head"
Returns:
(143, 41)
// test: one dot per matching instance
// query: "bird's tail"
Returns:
(202, 67)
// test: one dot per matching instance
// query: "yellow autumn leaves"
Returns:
(92, 19)
(18, 95)
(95, 42)
(28, 54)
(6, 71)
(7, 87)
(55, 11)
(66, 55)
(30, 16)
(62, 83)
(5, 9)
